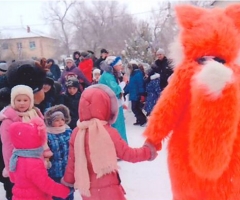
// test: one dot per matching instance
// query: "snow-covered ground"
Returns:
(141, 181)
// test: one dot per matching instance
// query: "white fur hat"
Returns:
(160, 51)
(69, 59)
(96, 71)
(22, 89)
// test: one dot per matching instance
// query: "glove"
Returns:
(152, 150)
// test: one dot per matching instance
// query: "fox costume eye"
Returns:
(203, 32)
(202, 60)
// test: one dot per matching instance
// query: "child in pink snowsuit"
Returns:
(26, 168)
(95, 147)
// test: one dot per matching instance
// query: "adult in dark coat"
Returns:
(60, 97)
(104, 55)
(76, 57)
(135, 89)
(54, 69)
(73, 96)
(50, 95)
(161, 66)
(94, 58)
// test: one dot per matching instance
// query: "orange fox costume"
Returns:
(200, 108)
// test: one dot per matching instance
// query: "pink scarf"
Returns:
(102, 153)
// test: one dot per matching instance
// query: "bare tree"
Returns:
(138, 45)
(94, 25)
(102, 24)
(57, 14)
(165, 27)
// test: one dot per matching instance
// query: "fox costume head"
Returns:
(199, 110)
(209, 32)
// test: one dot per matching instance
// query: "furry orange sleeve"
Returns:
(169, 106)
(213, 130)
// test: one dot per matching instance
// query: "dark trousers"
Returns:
(6, 181)
(137, 110)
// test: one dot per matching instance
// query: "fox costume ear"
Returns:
(233, 11)
(187, 15)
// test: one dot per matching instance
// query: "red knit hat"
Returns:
(28, 135)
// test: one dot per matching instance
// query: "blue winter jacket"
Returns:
(135, 88)
(59, 145)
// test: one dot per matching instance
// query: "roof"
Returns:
(15, 33)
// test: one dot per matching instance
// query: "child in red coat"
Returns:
(27, 170)
(95, 147)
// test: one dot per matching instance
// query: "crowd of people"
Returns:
(87, 97)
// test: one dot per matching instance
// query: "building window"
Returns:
(19, 45)
(4, 45)
(32, 45)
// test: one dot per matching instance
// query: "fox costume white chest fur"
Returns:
(200, 108)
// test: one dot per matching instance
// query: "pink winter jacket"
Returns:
(8, 116)
(107, 187)
(31, 181)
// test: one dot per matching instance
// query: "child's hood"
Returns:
(63, 109)
(98, 101)
(28, 135)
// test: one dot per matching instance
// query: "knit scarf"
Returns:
(102, 153)
(26, 153)
(57, 130)
(28, 115)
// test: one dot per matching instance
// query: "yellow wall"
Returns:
(44, 48)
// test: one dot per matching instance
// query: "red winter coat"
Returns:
(107, 187)
(86, 66)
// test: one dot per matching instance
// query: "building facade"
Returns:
(24, 44)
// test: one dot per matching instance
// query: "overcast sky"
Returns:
(29, 12)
